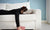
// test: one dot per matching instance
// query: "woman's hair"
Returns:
(24, 8)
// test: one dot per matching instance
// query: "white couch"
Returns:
(30, 21)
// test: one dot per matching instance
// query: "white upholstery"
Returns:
(14, 6)
(17, 5)
(2, 6)
(30, 21)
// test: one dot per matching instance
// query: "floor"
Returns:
(45, 26)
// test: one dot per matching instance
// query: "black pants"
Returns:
(16, 13)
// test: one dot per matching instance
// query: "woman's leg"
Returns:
(3, 12)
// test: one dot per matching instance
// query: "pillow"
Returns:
(2, 6)
(18, 5)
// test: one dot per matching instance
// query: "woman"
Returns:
(16, 12)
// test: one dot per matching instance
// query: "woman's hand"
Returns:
(18, 28)
(21, 28)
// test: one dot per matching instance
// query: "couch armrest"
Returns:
(38, 18)
(38, 14)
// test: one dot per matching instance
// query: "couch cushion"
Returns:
(22, 17)
(27, 17)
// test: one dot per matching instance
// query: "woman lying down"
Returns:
(16, 12)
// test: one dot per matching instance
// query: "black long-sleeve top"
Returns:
(14, 11)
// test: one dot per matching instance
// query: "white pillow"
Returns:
(18, 5)
(2, 6)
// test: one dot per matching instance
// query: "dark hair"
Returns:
(24, 8)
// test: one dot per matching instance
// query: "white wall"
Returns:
(48, 10)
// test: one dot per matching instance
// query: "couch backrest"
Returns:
(2, 6)
(9, 6)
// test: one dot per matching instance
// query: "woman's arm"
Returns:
(17, 19)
